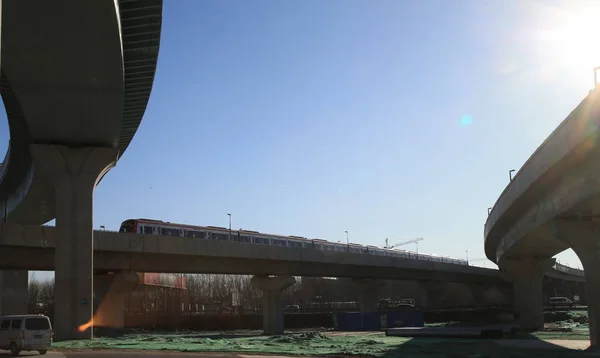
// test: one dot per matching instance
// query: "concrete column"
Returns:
(14, 292)
(478, 292)
(433, 294)
(272, 287)
(74, 173)
(368, 292)
(111, 290)
(584, 239)
(527, 275)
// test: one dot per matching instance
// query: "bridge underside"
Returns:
(553, 206)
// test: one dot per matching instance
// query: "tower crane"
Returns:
(401, 243)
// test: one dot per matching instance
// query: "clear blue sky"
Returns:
(396, 119)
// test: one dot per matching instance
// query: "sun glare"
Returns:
(571, 35)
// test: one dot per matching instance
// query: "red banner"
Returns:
(163, 280)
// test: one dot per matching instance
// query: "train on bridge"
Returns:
(157, 227)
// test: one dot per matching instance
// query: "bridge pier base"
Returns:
(368, 294)
(527, 274)
(110, 291)
(74, 173)
(272, 288)
(14, 292)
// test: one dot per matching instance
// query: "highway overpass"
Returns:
(73, 109)
(552, 204)
(32, 247)
(76, 79)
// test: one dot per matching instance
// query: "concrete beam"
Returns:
(74, 173)
(272, 288)
(155, 253)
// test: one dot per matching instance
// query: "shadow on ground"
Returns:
(457, 347)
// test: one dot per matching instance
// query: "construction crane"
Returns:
(401, 243)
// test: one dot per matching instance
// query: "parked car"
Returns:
(556, 302)
(25, 333)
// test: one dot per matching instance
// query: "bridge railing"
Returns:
(568, 270)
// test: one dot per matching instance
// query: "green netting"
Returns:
(318, 344)
(559, 325)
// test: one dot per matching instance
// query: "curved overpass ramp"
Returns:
(552, 204)
(75, 81)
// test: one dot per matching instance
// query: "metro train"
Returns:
(158, 227)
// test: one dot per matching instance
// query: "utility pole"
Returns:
(347, 240)
(229, 226)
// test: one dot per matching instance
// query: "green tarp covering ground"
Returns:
(565, 326)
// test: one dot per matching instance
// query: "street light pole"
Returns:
(467, 252)
(510, 177)
(229, 226)
(417, 249)
(347, 240)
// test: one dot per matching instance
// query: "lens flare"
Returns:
(465, 120)
(85, 326)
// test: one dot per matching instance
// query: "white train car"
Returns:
(157, 227)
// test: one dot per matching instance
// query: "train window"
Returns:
(295, 244)
(245, 239)
(148, 230)
(194, 234)
(169, 232)
(279, 242)
(222, 237)
(260, 240)
(127, 226)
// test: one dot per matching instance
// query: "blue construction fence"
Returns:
(375, 321)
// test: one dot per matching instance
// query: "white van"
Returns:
(561, 302)
(25, 333)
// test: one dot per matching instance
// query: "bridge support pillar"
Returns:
(272, 288)
(14, 292)
(583, 237)
(74, 173)
(478, 292)
(111, 290)
(527, 275)
(368, 291)
(432, 294)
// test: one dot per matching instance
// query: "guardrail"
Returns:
(557, 266)
(568, 270)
